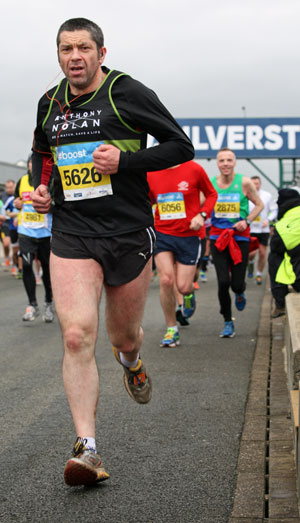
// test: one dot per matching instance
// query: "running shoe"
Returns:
(196, 285)
(136, 380)
(240, 301)
(85, 467)
(7, 264)
(14, 271)
(38, 280)
(171, 338)
(189, 305)
(31, 313)
(48, 315)
(277, 311)
(228, 331)
(258, 280)
(203, 276)
(19, 275)
(180, 318)
(250, 270)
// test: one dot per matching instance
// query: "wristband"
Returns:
(248, 222)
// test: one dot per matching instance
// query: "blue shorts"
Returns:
(186, 250)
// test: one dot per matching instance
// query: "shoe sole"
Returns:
(47, 320)
(229, 336)
(180, 319)
(171, 345)
(239, 307)
(77, 473)
(189, 315)
(137, 399)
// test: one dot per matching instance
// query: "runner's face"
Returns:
(10, 188)
(80, 60)
(257, 183)
(226, 162)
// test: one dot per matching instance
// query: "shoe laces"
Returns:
(170, 334)
(137, 375)
(79, 447)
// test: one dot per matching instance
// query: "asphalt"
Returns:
(176, 459)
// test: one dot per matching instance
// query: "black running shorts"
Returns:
(263, 237)
(121, 257)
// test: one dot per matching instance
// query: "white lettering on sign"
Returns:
(240, 137)
(291, 130)
(244, 137)
(274, 140)
(216, 139)
(254, 134)
(235, 137)
(196, 139)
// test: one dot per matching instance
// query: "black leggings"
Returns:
(229, 275)
(279, 290)
(28, 248)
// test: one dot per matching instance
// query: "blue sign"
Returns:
(247, 137)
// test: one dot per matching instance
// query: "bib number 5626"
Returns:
(84, 176)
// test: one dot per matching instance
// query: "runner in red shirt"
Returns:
(178, 219)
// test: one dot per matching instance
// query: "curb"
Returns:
(266, 485)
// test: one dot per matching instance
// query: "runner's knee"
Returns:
(77, 338)
(184, 288)
(224, 282)
(128, 341)
(166, 281)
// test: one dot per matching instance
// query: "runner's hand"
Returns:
(197, 222)
(41, 199)
(240, 226)
(18, 203)
(106, 159)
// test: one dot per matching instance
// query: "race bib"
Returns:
(257, 219)
(79, 178)
(227, 206)
(171, 206)
(32, 220)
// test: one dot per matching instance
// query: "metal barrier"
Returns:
(292, 343)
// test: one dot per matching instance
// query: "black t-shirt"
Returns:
(122, 112)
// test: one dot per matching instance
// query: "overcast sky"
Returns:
(202, 58)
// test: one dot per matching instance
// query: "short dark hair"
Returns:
(223, 149)
(256, 177)
(79, 24)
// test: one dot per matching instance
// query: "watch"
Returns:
(203, 214)
(248, 222)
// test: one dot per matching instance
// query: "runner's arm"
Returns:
(142, 110)
(253, 196)
(208, 190)
(42, 160)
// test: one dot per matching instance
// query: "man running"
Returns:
(94, 127)
(178, 218)
(230, 234)
(5, 232)
(260, 228)
(12, 214)
(34, 232)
